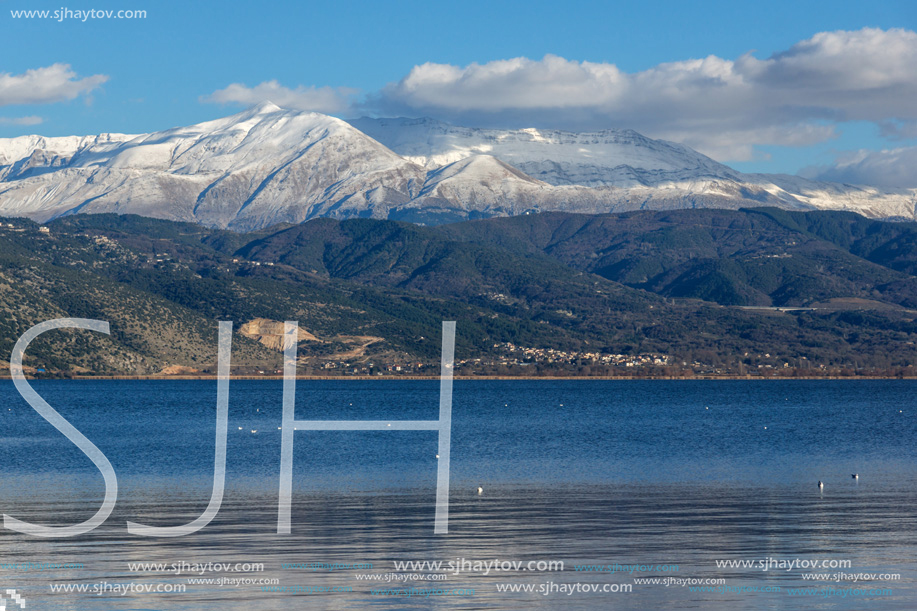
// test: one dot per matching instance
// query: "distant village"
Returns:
(518, 355)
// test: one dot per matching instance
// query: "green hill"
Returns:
(703, 287)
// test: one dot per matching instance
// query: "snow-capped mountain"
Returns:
(255, 168)
(645, 172)
(54, 151)
(618, 158)
(268, 165)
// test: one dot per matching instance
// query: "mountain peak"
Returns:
(265, 107)
(255, 113)
(268, 164)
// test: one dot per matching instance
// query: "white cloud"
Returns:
(720, 106)
(316, 99)
(520, 83)
(726, 108)
(737, 144)
(55, 83)
(33, 120)
(892, 168)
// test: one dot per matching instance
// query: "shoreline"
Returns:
(365, 378)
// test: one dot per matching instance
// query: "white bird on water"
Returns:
(480, 490)
(855, 476)
(821, 485)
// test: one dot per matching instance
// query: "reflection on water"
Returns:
(630, 473)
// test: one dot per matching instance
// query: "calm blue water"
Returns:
(645, 473)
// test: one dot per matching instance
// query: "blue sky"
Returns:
(169, 68)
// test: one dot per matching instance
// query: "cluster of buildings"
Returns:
(519, 354)
(373, 369)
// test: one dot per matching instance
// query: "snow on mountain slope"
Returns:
(259, 167)
(267, 165)
(14, 149)
(29, 154)
(481, 185)
(654, 173)
(621, 158)
(869, 201)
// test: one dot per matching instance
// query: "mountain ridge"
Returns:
(268, 165)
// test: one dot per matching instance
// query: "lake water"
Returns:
(642, 480)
